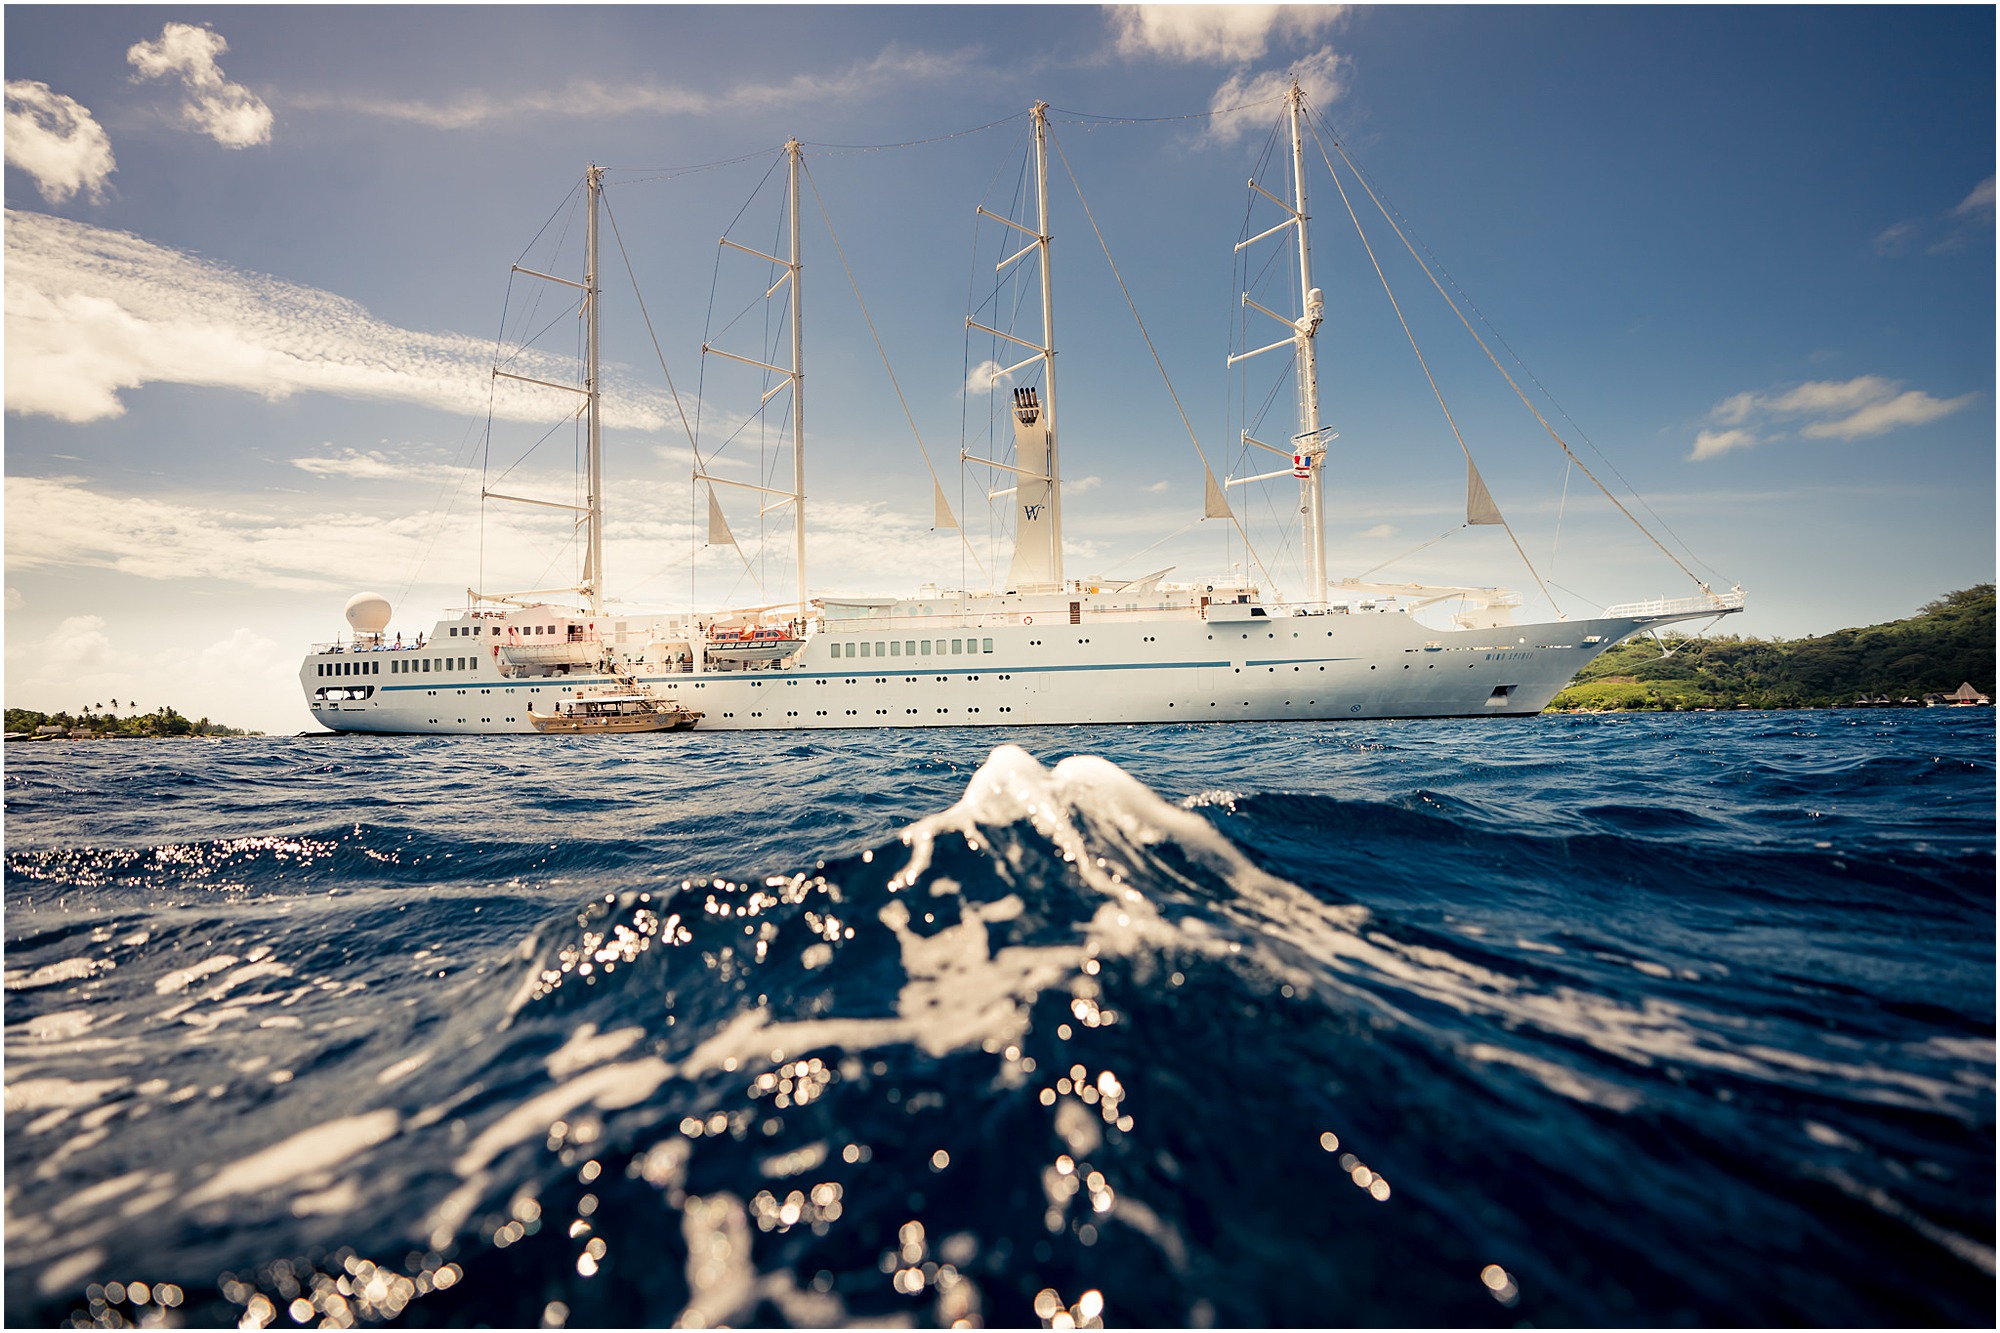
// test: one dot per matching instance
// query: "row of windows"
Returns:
(911, 648)
(400, 666)
(469, 630)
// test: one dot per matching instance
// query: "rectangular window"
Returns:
(427, 666)
(986, 645)
(958, 645)
(864, 650)
(910, 647)
(878, 649)
(895, 648)
(927, 647)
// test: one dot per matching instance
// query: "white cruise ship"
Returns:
(1041, 649)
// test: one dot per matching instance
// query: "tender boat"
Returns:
(602, 712)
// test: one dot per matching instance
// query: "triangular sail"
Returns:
(1479, 506)
(941, 516)
(718, 526)
(1214, 503)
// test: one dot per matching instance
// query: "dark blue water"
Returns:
(1575, 1020)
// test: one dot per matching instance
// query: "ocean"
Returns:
(1577, 1020)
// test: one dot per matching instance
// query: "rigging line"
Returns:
(1435, 390)
(1128, 559)
(1126, 293)
(1092, 119)
(1543, 389)
(884, 354)
(836, 149)
(673, 173)
(1394, 559)
(646, 315)
(1581, 597)
(568, 201)
(1562, 509)
(1525, 402)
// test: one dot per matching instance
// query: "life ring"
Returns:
(1027, 620)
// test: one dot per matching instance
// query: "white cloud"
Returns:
(226, 112)
(76, 648)
(1855, 409)
(896, 68)
(92, 312)
(1978, 204)
(1709, 443)
(13, 599)
(373, 465)
(1224, 34)
(1820, 397)
(1896, 238)
(1950, 232)
(1083, 485)
(1243, 104)
(1158, 488)
(1379, 531)
(1912, 408)
(985, 378)
(57, 141)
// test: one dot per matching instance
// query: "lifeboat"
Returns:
(747, 643)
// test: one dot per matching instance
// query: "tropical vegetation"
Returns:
(97, 722)
(1947, 643)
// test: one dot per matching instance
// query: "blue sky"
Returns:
(257, 259)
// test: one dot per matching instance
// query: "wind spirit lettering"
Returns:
(1508, 657)
(1033, 511)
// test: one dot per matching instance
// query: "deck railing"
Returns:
(1677, 606)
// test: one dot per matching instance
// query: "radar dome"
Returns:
(368, 612)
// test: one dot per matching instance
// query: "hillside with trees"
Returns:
(1948, 642)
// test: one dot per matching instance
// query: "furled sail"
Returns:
(1034, 555)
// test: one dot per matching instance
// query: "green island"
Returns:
(98, 723)
(1926, 658)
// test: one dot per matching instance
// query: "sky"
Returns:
(258, 274)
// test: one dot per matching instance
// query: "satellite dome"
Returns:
(368, 612)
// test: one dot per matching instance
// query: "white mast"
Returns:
(795, 377)
(592, 584)
(593, 560)
(1038, 490)
(793, 150)
(1309, 445)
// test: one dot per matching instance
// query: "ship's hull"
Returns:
(1197, 670)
